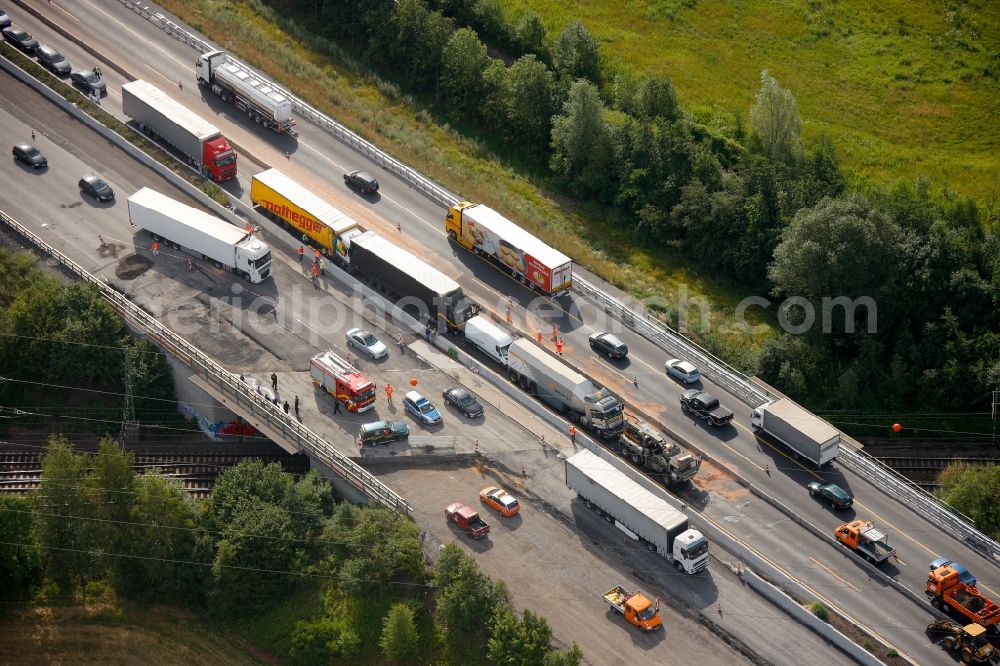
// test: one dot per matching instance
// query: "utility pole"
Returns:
(130, 427)
(994, 414)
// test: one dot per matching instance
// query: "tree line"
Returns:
(740, 197)
(261, 537)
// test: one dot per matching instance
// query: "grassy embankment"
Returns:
(377, 111)
(901, 87)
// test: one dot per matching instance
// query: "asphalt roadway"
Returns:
(317, 161)
(578, 559)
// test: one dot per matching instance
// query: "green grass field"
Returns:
(900, 86)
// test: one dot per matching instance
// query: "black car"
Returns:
(606, 343)
(97, 188)
(52, 60)
(832, 493)
(4, 19)
(27, 153)
(20, 39)
(361, 181)
(88, 81)
(706, 407)
(463, 401)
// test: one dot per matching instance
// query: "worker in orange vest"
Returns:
(316, 252)
(572, 434)
(302, 252)
(156, 248)
(388, 393)
(559, 346)
(555, 332)
(315, 271)
(538, 336)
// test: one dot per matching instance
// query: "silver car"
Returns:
(366, 342)
(682, 370)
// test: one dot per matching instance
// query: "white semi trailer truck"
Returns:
(642, 515)
(200, 234)
(565, 389)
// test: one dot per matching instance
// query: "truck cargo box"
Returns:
(804, 433)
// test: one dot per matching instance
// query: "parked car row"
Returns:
(86, 79)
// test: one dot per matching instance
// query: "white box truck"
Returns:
(805, 434)
(647, 517)
(565, 389)
(162, 117)
(488, 338)
(198, 233)
(249, 92)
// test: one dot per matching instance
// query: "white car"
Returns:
(682, 370)
(366, 342)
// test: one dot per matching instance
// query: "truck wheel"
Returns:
(452, 235)
(936, 603)
(635, 459)
(650, 546)
(524, 383)
(966, 656)
(684, 407)
(949, 643)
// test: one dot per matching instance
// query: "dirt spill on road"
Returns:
(132, 267)
(714, 480)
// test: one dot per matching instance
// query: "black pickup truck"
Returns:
(706, 407)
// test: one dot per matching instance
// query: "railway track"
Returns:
(21, 472)
(924, 471)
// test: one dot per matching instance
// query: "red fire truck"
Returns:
(342, 381)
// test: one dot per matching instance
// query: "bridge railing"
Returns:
(222, 380)
(673, 342)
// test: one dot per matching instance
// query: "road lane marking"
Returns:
(832, 573)
(145, 40)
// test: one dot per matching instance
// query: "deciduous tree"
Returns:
(774, 118)
(575, 55)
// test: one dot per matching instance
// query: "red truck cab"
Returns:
(467, 519)
(219, 159)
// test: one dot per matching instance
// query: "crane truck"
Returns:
(200, 234)
(566, 390)
(947, 592)
(160, 116)
(528, 260)
(649, 518)
(649, 449)
(806, 435)
(249, 92)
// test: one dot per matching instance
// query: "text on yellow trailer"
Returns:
(293, 206)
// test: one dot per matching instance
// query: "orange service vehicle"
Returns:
(636, 608)
(947, 592)
(500, 500)
(342, 381)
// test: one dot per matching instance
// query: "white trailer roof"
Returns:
(307, 201)
(417, 268)
(808, 424)
(516, 236)
(608, 476)
(553, 367)
(193, 217)
(172, 109)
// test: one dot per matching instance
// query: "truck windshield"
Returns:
(226, 159)
(648, 613)
(612, 412)
(263, 261)
(364, 395)
(695, 550)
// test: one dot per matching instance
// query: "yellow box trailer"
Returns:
(296, 208)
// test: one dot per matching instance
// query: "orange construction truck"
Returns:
(865, 540)
(947, 592)
(636, 608)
